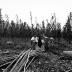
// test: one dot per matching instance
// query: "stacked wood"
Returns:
(69, 53)
(23, 62)
(16, 65)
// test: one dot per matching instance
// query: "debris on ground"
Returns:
(39, 61)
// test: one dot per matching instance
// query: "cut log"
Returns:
(8, 69)
(30, 63)
(24, 62)
(18, 64)
(21, 61)
(12, 64)
(5, 65)
(68, 53)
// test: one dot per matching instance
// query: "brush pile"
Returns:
(23, 61)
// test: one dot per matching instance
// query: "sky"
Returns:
(41, 10)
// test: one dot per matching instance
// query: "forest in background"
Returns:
(23, 30)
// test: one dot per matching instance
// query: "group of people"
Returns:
(38, 41)
(41, 41)
(35, 40)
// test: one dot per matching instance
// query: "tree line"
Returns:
(23, 30)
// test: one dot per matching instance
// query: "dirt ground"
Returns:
(11, 48)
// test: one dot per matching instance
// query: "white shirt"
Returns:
(34, 39)
(42, 41)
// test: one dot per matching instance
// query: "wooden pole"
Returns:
(31, 17)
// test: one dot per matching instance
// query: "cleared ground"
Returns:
(11, 48)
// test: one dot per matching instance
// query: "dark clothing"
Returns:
(39, 42)
(46, 45)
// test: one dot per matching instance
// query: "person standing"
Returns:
(34, 41)
(39, 41)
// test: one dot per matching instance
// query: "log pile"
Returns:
(17, 64)
(22, 62)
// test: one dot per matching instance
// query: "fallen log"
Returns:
(68, 53)
(30, 63)
(22, 61)
(3, 66)
(11, 66)
(18, 66)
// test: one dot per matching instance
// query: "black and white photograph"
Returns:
(35, 36)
